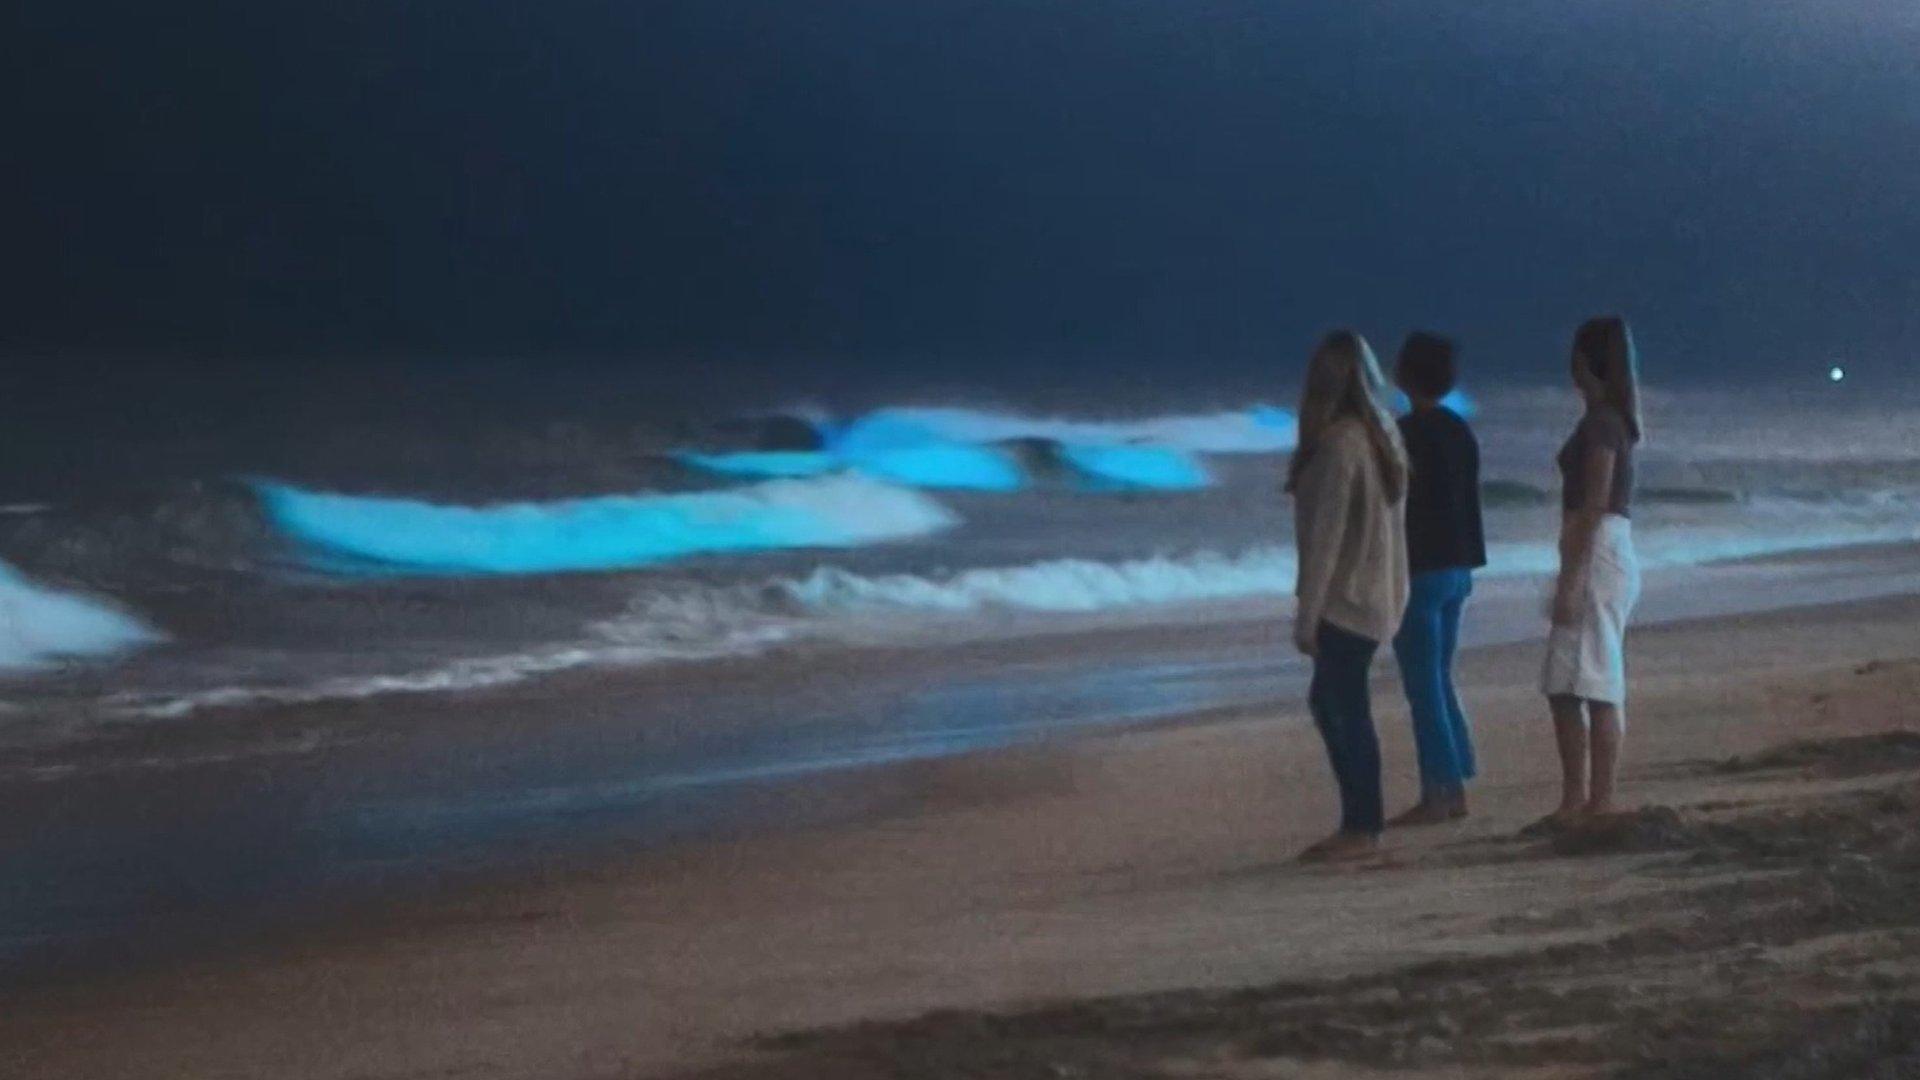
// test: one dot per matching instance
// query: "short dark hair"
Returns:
(1426, 364)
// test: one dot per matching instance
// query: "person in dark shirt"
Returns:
(1446, 543)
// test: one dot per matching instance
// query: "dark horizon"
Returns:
(1163, 198)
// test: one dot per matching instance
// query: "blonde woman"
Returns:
(1349, 483)
(1584, 677)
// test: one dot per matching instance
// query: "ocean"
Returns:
(399, 561)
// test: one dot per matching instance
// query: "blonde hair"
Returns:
(1343, 380)
(1605, 345)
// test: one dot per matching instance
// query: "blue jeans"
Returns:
(1425, 647)
(1344, 714)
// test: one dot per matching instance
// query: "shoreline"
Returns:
(172, 838)
(1146, 859)
(1234, 625)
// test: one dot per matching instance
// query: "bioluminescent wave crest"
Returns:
(599, 533)
(968, 449)
(763, 464)
(1261, 429)
(40, 626)
(939, 466)
(1141, 468)
(952, 466)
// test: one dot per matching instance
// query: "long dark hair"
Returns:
(1605, 346)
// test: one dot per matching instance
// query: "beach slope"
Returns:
(1125, 906)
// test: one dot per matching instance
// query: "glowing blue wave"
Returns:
(943, 465)
(598, 533)
(1261, 429)
(763, 464)
(1140, 468)
(39, 625)
(930, 463)
(953, 448)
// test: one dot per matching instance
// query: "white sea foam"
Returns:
(1057, 585)
(1085, 586)
(831, 605)
(622, 643)
(40, 625)
(600, 533)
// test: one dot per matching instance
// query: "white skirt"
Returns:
(1587, 658)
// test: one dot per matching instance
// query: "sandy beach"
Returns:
(1123, 904)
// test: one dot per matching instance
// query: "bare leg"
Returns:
(1570, 728)
(1609, 731)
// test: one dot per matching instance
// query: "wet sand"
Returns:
(1124, 905)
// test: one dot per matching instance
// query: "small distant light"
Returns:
(1836, 374)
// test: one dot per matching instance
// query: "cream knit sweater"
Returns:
(1352, 540)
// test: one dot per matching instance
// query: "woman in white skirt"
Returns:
(1585, 676)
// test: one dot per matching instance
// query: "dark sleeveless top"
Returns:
(1603, 428)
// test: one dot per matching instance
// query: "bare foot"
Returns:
(1343, 847)
(1457, 807)
(1565, 817)
(1348, 847)
(1425, 813)
(1598, 808)
(1317, 852)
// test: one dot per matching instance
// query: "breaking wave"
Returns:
(961, 467)
(1261, 429)
(954, 466)
(1140, 468)
(605, 532)
(763, 464)
(972, 450)
(40, 625)
(950, 466)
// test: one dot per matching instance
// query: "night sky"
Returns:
(975, 190)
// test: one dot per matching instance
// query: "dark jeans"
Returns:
(1425, 647)
(1344, 714)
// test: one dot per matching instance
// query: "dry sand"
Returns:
(1124, 906)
